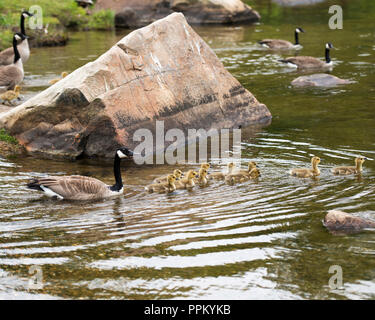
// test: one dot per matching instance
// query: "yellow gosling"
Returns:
(221, 175)
(357, 169)
(243, 175)
(202, 179)
(188, 181)
(163, 187)
(63, 75)
(177, 173)
(11, 95)
(308, 173)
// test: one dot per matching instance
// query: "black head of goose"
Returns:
(278, 44)
(13, 74)
(82, 187)
(305, 62)
(7, 55)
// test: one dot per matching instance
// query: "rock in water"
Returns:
(164, 71)
(138, 13)
(319, 80)
(340, 221)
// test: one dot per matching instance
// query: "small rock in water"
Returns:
(319, 80)
(340, 221)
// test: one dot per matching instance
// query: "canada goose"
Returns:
(163, 187)
(11, 95)
(350, 170)
(304, 62)
(188, 181)
(308, 173)
(202, 177)
(82, 187)
(277, 44)
(12, 74)
(242, 175)
(221, 175)
(7, 55)
(177, 173)
(63, 75)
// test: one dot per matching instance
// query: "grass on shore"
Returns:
(61, 14)
(4, 136)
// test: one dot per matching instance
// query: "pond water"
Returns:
(261, 240)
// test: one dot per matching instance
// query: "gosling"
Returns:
(204, 165)
(63, 75)
(243, 175)
(11, 95)
(177, 173)
(163, 187)
(357, 169)
(188, 181)
(308, 173)
(221, 175)
(202, 179)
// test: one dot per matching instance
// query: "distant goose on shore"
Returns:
(304, 62)
(7, 55)
(278, 44)
(12, 74)
(82, 187)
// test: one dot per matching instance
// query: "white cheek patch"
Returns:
(48, 192)
(121, 154)
(297, 30)
(17, 37)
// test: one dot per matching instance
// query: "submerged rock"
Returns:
(319, 80)
(138, 13)
(340, 221)
(164, 71)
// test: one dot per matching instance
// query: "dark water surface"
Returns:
(256, 240)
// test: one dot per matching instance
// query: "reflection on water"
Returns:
(261, 239)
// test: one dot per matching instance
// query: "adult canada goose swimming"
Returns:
(350, 170)
(12, 74)
(7, 55)
(278, 44)
(304, 62)
(177, 173)
(308, 173)
(167, 186)
(63, 75)
(82, 187)
(11, 95)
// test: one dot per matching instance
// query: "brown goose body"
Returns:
(277, 44)
(307, 173)
(346, 170)
(77, 187)
(337, 220)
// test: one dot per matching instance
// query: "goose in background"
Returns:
(307, 173)
(82, 187)
(11, 95)
(350, 170)
(63, 75)
(305, 62)
(7, 55)
(12, 74)
(278, 44)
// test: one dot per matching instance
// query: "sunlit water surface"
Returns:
(254, 240)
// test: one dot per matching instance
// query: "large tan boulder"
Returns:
(164, 71)
(138, 13)
(340, 221)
